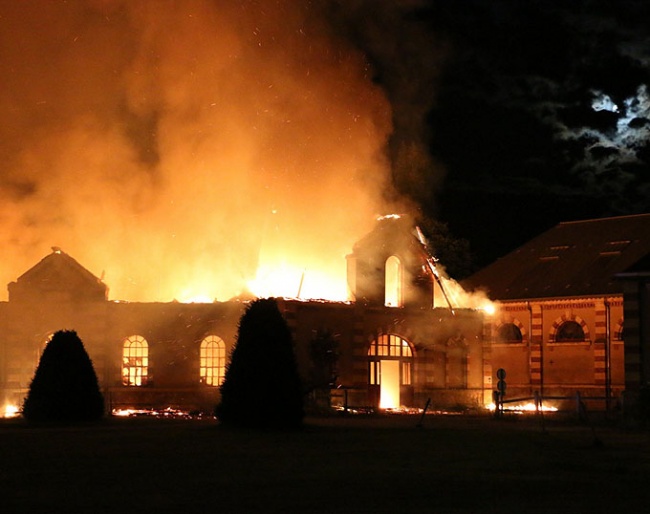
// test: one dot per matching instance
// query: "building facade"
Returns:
(562, 328)
(393, 346)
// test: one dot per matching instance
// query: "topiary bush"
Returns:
(64, 387)
(262, 387)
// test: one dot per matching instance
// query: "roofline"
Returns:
(555, 299)
(603, 219)
(631, 274)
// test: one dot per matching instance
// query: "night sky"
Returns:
(532, 113)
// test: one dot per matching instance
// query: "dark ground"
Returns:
(452, 464)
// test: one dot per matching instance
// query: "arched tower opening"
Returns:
(394, 282)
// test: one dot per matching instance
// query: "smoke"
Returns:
(408, 56)
(180, 147)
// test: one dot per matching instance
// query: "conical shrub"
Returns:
(64, 387)
(262, 386)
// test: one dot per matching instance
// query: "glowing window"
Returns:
(213, 360)
(382, 351)
(374, 373)
(393, 282)
(509, 333)
(570, 332)
(390, 346)
(406, 372)
(135, 361)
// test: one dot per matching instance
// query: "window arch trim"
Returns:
(563, 323)
(388, 346)
(517, 328)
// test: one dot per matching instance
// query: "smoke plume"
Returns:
(187, 148)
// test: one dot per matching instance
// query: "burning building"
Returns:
(395, 345)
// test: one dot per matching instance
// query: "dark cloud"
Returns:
(540, 115)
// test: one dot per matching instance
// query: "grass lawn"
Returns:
(452, 464)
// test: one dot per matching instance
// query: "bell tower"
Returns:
(388, 266)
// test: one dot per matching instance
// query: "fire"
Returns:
(488, 308)
(168, 412)
(189, 296)
(460, 298)
(250, 133)
(390, 389)
(11, 411)
(524, 407)
(285, 280)
(451, 292)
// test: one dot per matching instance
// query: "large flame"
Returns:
(10, 411)
(188, 150)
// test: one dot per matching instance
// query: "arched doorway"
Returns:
(390, 371)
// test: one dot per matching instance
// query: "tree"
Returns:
(262, 387)
(453, 253)
(64, 387)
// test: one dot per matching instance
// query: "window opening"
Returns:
(212, 361)
(390, 366)
(135, 361)
(509, 333)
(570, 332)
(393, 282)
(390, 345)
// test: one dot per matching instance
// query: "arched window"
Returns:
(213, 360)
(393, 282)
(135, 361)
(509, 333)
(390, 347)
(570, 332)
